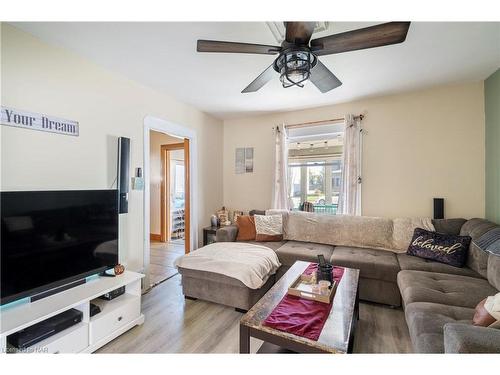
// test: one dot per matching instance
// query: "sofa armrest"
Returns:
(466, 338)
(226, 234)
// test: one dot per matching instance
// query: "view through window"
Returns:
(315, 167)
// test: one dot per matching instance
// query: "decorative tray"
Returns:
(303, 288)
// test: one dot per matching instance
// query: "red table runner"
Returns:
(300, 316)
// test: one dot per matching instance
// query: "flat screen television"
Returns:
(53, 238)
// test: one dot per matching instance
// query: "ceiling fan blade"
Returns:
(261, 80)
(323, 78)
(234, 47)
(299, 32)
(368, 37)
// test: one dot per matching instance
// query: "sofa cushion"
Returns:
(339, 230)
(372, 263)
(464, 338)
(454, 290)
(481, 247)
(475, 228)
(292, 251)
(226, 234)
(426, 321)
(448, 226)
(477, 260)
(410, 262)
(494, 270)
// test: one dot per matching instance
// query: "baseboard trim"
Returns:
(155, 237)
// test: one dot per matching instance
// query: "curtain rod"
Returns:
(321, 122)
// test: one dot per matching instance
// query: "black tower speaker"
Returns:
(123, 174)
(438, 208)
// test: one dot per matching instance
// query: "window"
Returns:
(317, 181)
(315, 169)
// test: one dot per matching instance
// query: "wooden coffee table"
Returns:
(337, 335)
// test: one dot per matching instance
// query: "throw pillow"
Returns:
(269, 228)
(487, 312)
(246, 228)
(481, 316)
(445, 248)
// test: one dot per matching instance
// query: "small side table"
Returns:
(209, 235)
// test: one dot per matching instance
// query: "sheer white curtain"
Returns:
(350, 189)
(280, 185)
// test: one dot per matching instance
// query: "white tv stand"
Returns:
(116, 317)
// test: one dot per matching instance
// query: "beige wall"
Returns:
(157, 139)
(417, 146)
(41, 78)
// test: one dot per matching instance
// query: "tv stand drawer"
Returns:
(114, 315)
(71, 340)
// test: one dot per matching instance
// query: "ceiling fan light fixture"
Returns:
(298, 53)
(294, 67)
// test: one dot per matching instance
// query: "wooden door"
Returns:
(187, 198)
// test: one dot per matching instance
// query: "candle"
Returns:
(323, 286)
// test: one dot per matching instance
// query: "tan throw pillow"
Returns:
(488, 312)
(492, 305)
(246, 228)
(481, 316)
(269, 228)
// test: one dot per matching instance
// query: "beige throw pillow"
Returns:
(492, 305)
(481, 316)
(268, 228)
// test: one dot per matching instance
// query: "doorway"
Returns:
(182, 134)
(173, 193)
(169, 181)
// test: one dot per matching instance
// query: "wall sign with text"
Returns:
(37, 121)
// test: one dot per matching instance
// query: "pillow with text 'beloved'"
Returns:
(444, 248)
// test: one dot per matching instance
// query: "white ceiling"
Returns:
(163, 56)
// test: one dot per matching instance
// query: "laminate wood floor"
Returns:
(176, 325)
(162, 259)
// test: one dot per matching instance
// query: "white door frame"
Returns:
(163, 126)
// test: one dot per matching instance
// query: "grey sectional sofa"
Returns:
(438, 299)
(439, 302)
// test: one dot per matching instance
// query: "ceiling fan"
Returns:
(297, 59)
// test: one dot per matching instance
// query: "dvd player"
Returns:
(40, 331)
(113, 294)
